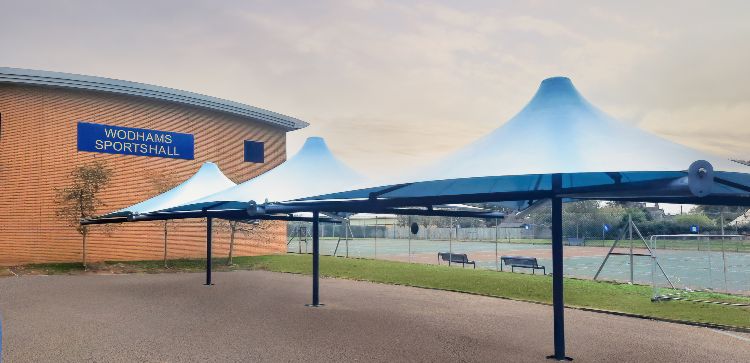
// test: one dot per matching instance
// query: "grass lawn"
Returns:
(632, 299)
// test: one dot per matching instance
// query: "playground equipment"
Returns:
(629, 229)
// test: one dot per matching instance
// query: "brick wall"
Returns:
(38, 151)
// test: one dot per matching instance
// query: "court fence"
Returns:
(718, 264)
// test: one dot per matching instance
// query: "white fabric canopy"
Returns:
(559, 131)
(207, 180)
(313, 170)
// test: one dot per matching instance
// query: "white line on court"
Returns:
(746, 339)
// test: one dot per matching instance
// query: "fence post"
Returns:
(450, 242)
(409, 232)
(376, 237)
(347, 232)
(710, 268)
(630, 232)
(497, 266)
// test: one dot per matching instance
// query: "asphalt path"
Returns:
(252, 316)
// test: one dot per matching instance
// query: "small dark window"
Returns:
(253, 152)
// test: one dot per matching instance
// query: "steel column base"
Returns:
(315, 305)
(564, 359)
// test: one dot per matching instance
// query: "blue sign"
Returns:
(606, 227)
(108, 139)
(254, 152)
(694, 228)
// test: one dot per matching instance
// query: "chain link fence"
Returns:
(592, 230)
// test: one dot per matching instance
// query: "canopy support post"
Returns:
(209, 226)
(558, 303)
(316, 260)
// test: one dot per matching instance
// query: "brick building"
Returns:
(42, 115)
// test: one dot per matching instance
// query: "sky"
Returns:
(394, 84)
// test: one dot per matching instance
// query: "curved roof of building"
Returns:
(76, 81)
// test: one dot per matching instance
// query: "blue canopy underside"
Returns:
(644, 186)
(514, 191)
(498, 184)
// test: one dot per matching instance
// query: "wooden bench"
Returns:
(521, 262)
(461, 258)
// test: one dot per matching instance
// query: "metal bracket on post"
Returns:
(316, 261)
(558, 302)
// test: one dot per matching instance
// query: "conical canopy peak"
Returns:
(557, 93)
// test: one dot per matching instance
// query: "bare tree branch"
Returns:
(80, 199)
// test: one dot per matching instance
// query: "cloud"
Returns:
(393, 83)
(721, 129)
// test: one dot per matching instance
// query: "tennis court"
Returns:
(694, 269)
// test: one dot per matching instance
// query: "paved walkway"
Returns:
(260, 316)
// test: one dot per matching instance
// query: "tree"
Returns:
(161, 183)
(717, 212)
(245, 227)
(684, 221)
(80, 199)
